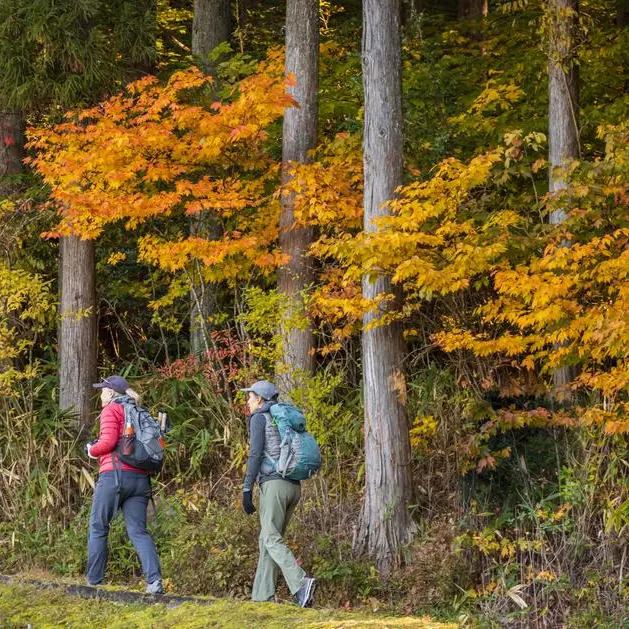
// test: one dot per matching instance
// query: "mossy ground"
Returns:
(23, 604)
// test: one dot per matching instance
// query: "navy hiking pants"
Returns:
(135, 492)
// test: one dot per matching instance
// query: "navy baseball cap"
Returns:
(265, 389)
(117, 383)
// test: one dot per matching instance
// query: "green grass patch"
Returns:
(21, 605)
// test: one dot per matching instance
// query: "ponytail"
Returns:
(133, 394)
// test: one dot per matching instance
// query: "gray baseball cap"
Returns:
(117, 383)
(265, 389)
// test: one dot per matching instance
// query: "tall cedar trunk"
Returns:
(299, 137)
(11, 149)
(385, 523)
(77, 328)
(211, 26)
(563, 112)
(472, 8)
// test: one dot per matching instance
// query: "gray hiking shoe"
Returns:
(305, 594)
(155, 588)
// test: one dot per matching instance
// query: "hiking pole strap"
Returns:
(117, 471)
(152, 499)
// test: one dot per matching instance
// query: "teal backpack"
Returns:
(300, 457)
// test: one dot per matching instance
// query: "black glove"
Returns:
(247, 502)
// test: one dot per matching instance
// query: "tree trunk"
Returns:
(203, 294)
(468, 9)
(211, 26)
(563, 95)
(563, 113)
(385, 523)
(11, 150)
(77, 329)
(299, 137)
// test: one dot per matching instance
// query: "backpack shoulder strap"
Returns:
(267, 455)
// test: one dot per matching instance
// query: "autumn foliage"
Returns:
(161, 150)
(545, 296)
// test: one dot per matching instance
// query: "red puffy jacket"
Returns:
(111, 427)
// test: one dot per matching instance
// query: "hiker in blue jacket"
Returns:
(278, 498)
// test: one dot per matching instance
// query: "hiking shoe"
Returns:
(155, 588)
(305, 594)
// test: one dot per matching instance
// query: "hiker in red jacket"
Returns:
(118, 485)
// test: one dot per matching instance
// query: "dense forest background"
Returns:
(191, 195)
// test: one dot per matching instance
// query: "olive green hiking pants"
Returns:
(278, 499)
